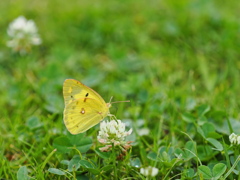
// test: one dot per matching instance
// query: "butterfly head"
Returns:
(109, 105)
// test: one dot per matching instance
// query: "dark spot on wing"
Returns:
(85, 99)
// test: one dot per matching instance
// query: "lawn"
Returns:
(176, 61)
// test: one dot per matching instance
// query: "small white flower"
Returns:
(234, 139)
(143, 131)
(238, 140)
(149, 171)
(23, 34)
(113, 132)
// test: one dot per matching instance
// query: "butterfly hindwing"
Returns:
(83, 113)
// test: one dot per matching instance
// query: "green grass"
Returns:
(176, 61)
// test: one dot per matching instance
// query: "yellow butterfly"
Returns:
(84, 107)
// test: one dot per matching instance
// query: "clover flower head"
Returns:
(234, 139)
(149, 171)
(143, 131)
(23, 34)
(238, 140)
(113, 133)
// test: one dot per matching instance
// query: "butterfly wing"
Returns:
(84, 113)
(84, 107)
(73, 90)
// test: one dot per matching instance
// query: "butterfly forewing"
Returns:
(83, 113)
(73, 90)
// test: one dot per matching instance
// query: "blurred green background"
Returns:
(158, 54)
(165, 56)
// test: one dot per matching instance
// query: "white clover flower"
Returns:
(238, 140)
(149, 171)
(234, 139)
(143, 131)
(112, 132)
(23, 34)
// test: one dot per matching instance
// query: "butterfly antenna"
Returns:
(117, 101)
(110, 100)
(120, 101)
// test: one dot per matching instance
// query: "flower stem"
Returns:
(232, 168)
(47, 159)
(114, 161)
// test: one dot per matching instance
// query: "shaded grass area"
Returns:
(169, 58)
